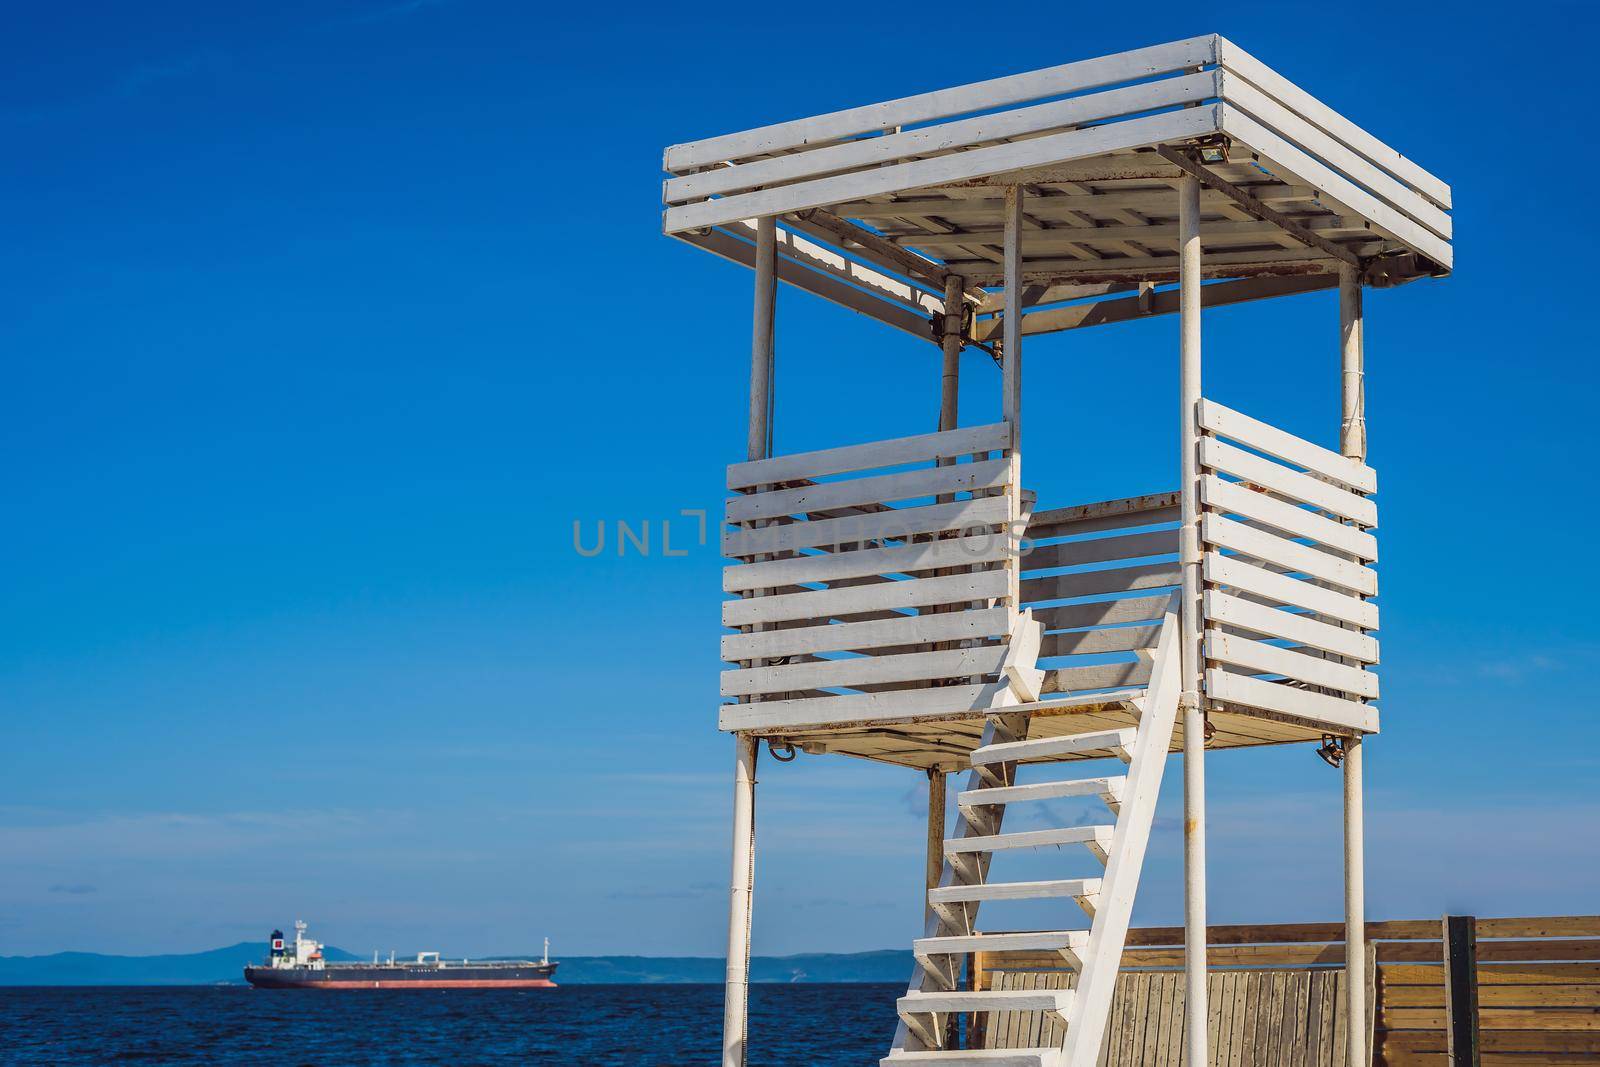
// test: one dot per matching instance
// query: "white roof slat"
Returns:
(944, 103)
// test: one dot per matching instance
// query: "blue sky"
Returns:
(324, 322)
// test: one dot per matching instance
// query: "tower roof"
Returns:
(881, 203)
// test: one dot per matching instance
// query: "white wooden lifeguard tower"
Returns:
(909, 600)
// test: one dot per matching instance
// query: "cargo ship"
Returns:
(300, 965)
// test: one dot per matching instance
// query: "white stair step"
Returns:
(977, 1057)
(1107, 789)
(1098, 838)
(1070, 943)
(1084, 890)
(1051, 1000)
(1117, 741)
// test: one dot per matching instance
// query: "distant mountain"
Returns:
(225, 965)
(94, 968)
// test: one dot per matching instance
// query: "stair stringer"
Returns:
(999, 727)
(1102, 958)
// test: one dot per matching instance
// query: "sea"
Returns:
(800, 1025)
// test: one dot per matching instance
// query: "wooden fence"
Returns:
(1451, 993)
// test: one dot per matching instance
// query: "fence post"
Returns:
(1461, 989)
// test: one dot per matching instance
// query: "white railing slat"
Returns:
(1270, 659)
(855, 671)
(1285, 446)
(1235, 498)
(1096, 583)
(964, 515)
(878, 489)
(859, 599)
(1237, 574)
(889, 706)
(1095, 642)
(943, 103)
(1225, 610)
(1096, 676)
(873, 633)
(1229, 459)
(1104, 612)
(1101, 550)
(1226, 533)
(1287, 700)
(860, 563)
(945, 137)
(895, 452)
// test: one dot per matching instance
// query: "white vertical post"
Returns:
(950, 341)
(736, 989)
(937, 782)
(1011, 333)
(1353, 443)
(1194, 742)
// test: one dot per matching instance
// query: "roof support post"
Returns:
(1353, 443)
(1011, 337)
(759, 443)
(741, 884)
(937, 782)
(950, 341)
(1194, 741)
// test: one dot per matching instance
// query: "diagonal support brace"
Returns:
(1213, 180)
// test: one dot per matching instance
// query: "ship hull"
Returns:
(356, 976)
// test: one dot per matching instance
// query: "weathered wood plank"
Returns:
(1256, 544)
(1287, 447)
(920, 448)
(1100, 550)
(855, 600)
(1060, 80)
(944, 137)
(1287, 162)
(1237, 574)
(991, 161)
(1287, 700)
(878, 489)
(1100, 582)
(855, 671)
(862, 563)
(902, 523)
(1221, 456)
(892, 706)
(1092, 642)
(1099, 676)
(1270, 659)
(1238, 61)
(1235, 498)
(1104, 612)
(874, 633)
(1222, 609)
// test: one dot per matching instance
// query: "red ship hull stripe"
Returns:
(425, 983)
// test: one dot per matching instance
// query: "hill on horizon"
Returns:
(225, 966)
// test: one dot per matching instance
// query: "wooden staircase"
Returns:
(1094, 954)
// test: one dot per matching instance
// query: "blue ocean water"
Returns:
(804, 1025)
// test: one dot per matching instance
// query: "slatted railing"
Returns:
(1100, 577)
(875, 582)
(1287, 575)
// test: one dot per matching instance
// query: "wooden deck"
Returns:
(1526, 992)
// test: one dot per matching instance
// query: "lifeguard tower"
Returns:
(910, 601)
